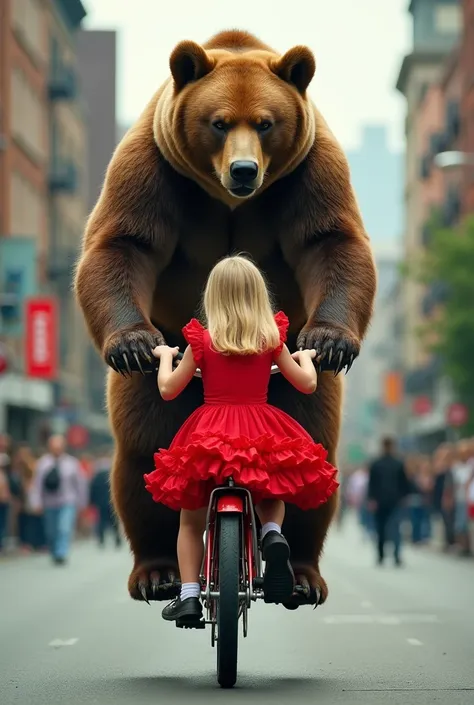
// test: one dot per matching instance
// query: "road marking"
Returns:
(57, 643)
(414, 642)
(385, 619)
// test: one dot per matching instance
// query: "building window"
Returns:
(448, 19)
(26, 207)
(28, 115)
(28, 22)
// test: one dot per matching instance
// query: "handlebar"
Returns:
(274, 370)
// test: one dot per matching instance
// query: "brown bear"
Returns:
(229, 155)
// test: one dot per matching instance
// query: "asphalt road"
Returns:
(70, 635)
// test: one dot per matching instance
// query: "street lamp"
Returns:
(452, 160)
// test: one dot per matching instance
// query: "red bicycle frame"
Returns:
(234, 500)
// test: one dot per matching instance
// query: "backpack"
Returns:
(52, 480)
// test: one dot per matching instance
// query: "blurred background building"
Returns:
(57, 133)
(398, 386)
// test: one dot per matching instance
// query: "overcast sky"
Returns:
(358, 44)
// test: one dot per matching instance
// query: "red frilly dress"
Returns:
(237, 433)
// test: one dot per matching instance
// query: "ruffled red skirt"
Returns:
(260, 446)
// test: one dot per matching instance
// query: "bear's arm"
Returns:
(324, 241)
(129, 241)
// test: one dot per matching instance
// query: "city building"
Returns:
(67, 202)
(430, 81)
(97, 69)
(466, 60)
(377, 177)
(42, 210)
(24, 155)
(364, 384)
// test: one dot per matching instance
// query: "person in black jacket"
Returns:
(100, 498)
(388, 487)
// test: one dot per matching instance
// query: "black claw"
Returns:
(349, 365)
(330, 356)
(139, 363)
(339, 364)
(113, 364)
(142, 588)
(318, 597)
(127, 364)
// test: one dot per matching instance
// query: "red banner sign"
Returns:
(41, 338)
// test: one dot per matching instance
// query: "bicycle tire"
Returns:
(228, 603)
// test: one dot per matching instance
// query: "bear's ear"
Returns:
(297, 67)
(189, 62)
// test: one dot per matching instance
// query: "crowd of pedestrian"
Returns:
(48, 498)
(435, 501)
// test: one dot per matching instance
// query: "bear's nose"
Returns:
(244, 171)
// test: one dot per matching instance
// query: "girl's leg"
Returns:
(278, 579)
(187, 610)
(271, 513)
(191, 545)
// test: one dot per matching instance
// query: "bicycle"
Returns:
(231, 572)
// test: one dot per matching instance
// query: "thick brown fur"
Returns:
(167, 214)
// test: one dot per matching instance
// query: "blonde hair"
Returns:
(238, 310)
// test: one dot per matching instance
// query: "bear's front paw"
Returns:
(335, 347)
(129, 351)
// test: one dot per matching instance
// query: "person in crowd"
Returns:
(419, 500)
(388, 487)
(357, 495)
(461, 474)
(86, 520)
(443, 505)
(29, 524)
(60, 490)
(101, 500)
(5, 496)
(470, 498)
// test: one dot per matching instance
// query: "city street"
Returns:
(387, 636)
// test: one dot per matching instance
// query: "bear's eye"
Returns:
(219, 125)
(264, 126)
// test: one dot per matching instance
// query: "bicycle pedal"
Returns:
(191, 625)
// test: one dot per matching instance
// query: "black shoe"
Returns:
(59, 560)
(184, 612)
(278, 579)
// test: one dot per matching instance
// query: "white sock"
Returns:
(190, 590)
(270, 526)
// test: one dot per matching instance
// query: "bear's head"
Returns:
(235, 121)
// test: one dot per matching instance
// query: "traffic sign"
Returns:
(421, 406)
(3, 358)
(77, 436)
(457, 414)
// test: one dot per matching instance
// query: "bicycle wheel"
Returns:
(228, 603)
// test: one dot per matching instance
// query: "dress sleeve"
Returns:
(193, 333)
(282, 322)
